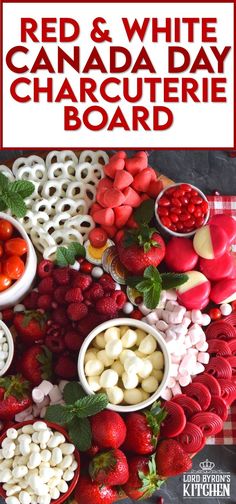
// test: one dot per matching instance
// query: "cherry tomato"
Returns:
(1, 250)
(6, 229)
(86, 267)
(16, 246)
(215, 314)
(5, 282)
(13, 267)
(98, 237)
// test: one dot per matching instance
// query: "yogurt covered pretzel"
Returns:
(65, 188)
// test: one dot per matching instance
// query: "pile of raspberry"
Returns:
(74, 301)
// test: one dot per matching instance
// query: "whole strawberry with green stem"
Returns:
(109, 467)
(15, 396)
(143, 479)
(144, 246)
(36, 364)
(90, 491)
(30, 326)
(143, 430)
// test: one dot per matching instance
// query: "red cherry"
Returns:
(164, 201)
(215, 314)
(176, 202)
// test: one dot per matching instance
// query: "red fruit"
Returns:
(36, 364)
(54, 339)
(113, 198)
(44, 302)
(13, 267)
(89, 491)
(131, 223)
(94, 208)
(109, 467)
(131, 197)
(46, 286)
(97, 237)
(105, 217)
(171, 459)
(120, 298)
(15, 396)
(215, 314)
(82, 280)
(66, 368)
(143, 478)
(189, 405)
(45, 268)
(199, 393)
(5, 282)
(92, 320)
(209, 422)
(7, 315)
(31, 301)
(107, 283)
(30, 326)
(60, 316)
(122, 214)
(59, 294)
(191, 439)
(77, 311)
(61, 276)
(110, 230)
(143, 431)
(122, 180)
(73, 340)
(106, 306)
(94, 292)
(114, 165)
(175, 420)
(74, 295)
(136, 314)
(6, 229)
(108, 429)
(134, 257)
(16, 246)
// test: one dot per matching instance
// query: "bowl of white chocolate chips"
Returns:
(126, 359)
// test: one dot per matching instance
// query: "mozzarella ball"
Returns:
(140, 336)
(109, 378)
(157, 360)
(133, 364)
(149, 384)
(130, 381)
(133, 396)
(148, 345)
(129, 338)
(99, 341)
(114, 348)
(112, 333)
(94, 383)
(118, 367)
(91, 354)
(125, 354)
(146, 369)
(93, 367)
(115, 395)
(104, 358)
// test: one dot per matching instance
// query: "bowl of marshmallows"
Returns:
(126, 359)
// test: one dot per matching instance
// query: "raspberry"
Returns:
(59, 294)
(74, 295)
(77, 311)
(66, 368)
(44, 302)
(95, 292)
(106, 306)
(45, 268)
(7, 315)
(31, 301)
(107, 282)
(73, 340)
(86, 325)
(81, 280)
(60, 316)
(120, 298)
(61, 276)
(46, 286)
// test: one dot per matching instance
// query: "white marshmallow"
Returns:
(133, 396)
(149, 384)
(114, 348)
(109, 378)
(161, 325)
(196, 316)
(55, 394)
(91, 354)
(202, 346)
(148, 345)
(226, 309)
(129, 338)
(94, 383)
(100, 341)
(184, 380)
(146, 368)
(206, 319)
(115, 395)
(166, 394)
(130, 381)
(144, 310)
(93, 367)
(112, 333)
(176, 390)
(45, 386)
(198, 368)
(133, 364)
(203, 357)
(152, 318)
(104, 358)
(37, 395)
(124, 354)
(157, 359)
(171, 295)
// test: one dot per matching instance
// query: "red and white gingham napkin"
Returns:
(226, 205)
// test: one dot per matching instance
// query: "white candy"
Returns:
(55, 394)
(144, 310)
(19, 308)
(166, 394)
(206, 319)
(133, 396)
(104, 357)
(46, 386)
(91, 354)
(202, 346)
(20, 471)
(129, 338)
(118, 367)
(5, 475)
(130, 381)
(157, 359)
(198, 368)
(12, 433)
(67, 448)
(203, 357)
(45, 455)
(196, 316)
(114, 348)
(133, 364)
(226, 309)
(146, 369)
(93, 367)
(13, 489)
(12, 500)
(152, 318)
(66, 462)
(158, 374)
(171, 295)
(56, 440)
(62, 486)
(68, 475)
(37, 395)
(97, 272)
(148, 345)
(128, 308)
(149, 384)
(161, 325)
(34, 460)
(124, 354)
(115, 395)
(100, 341)
(94, 383)
(170, 305)
(184, 380)
(176, 390)
(112, 333)
(109, 378)
(56, 457)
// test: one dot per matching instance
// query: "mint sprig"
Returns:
(153, 282)
(144, 213)
(12, 195)
(74, 414)
(66, 256)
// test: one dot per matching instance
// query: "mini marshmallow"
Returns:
(130, 381)
(180, 329)
(196, 316)
(171, 295)
(176, 390)
(198, 368)
(152, 318)
(93, 367)
(203, 357)
(112, 333)
(187, 363)
(115, 395)
(55, 394)
(170, 305)
(166, 394)
(148, 345)
(129, 338)
(170, 335)
(37, 395)
(161, 325)
(109, 378)
(206, 319)
(185, 380)
(45, 387)
(133, 396)
(144, 310)
(114, 348)
(174, 368)
(226, 309)
(186, 321)
(171, 382)
(202, 346)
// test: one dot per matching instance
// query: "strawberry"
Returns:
(143, 430)
(106, 306)
(109, 467)
(77, 311)
(36, 364)
(66, 368)
(74, 295)
(171, 459)
(30, 326)
(141, 248)
(14, 396)
(46, 286)
(143, 479)
(81, 280)
(88, 491)
(61, 275)
(73, 340)
(108, 429)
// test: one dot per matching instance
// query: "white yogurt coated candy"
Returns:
(109, 378)
(129, 338)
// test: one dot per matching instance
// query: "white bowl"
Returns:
(10, 342)
(17, 291)
(175, 233)
(131, 323)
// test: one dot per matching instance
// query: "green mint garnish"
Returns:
(12, 195)
(67, 255)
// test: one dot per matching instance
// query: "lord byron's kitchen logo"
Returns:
(207, 482)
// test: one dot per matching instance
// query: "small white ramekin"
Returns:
(168, 231)
(131, 323)
(10, 343)
(17, 291)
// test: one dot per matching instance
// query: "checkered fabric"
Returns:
(226, 205)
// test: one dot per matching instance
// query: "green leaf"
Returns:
(64, 257)
(4, 182)
(80, 433)
(22, 187)
(144, 286)
(144, 213)
(72, 392)
(90, 405)
(77, 249)
(151, 297)
(172, 280)
(132, 281)
(152, 273)
(58, 414)
(3, 205)
(15, 202)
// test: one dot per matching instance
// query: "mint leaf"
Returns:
(72, 392)
(58, 414)
(22, 187)
(4, 182)
(3, 205)
(80, 433)
(15, 202)
(152, 273)
(144, 213)
(151, 297)
(77, 249)
(132, 281)
(90, 405)
(172, 280)
(64, 257)
(144, 286)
